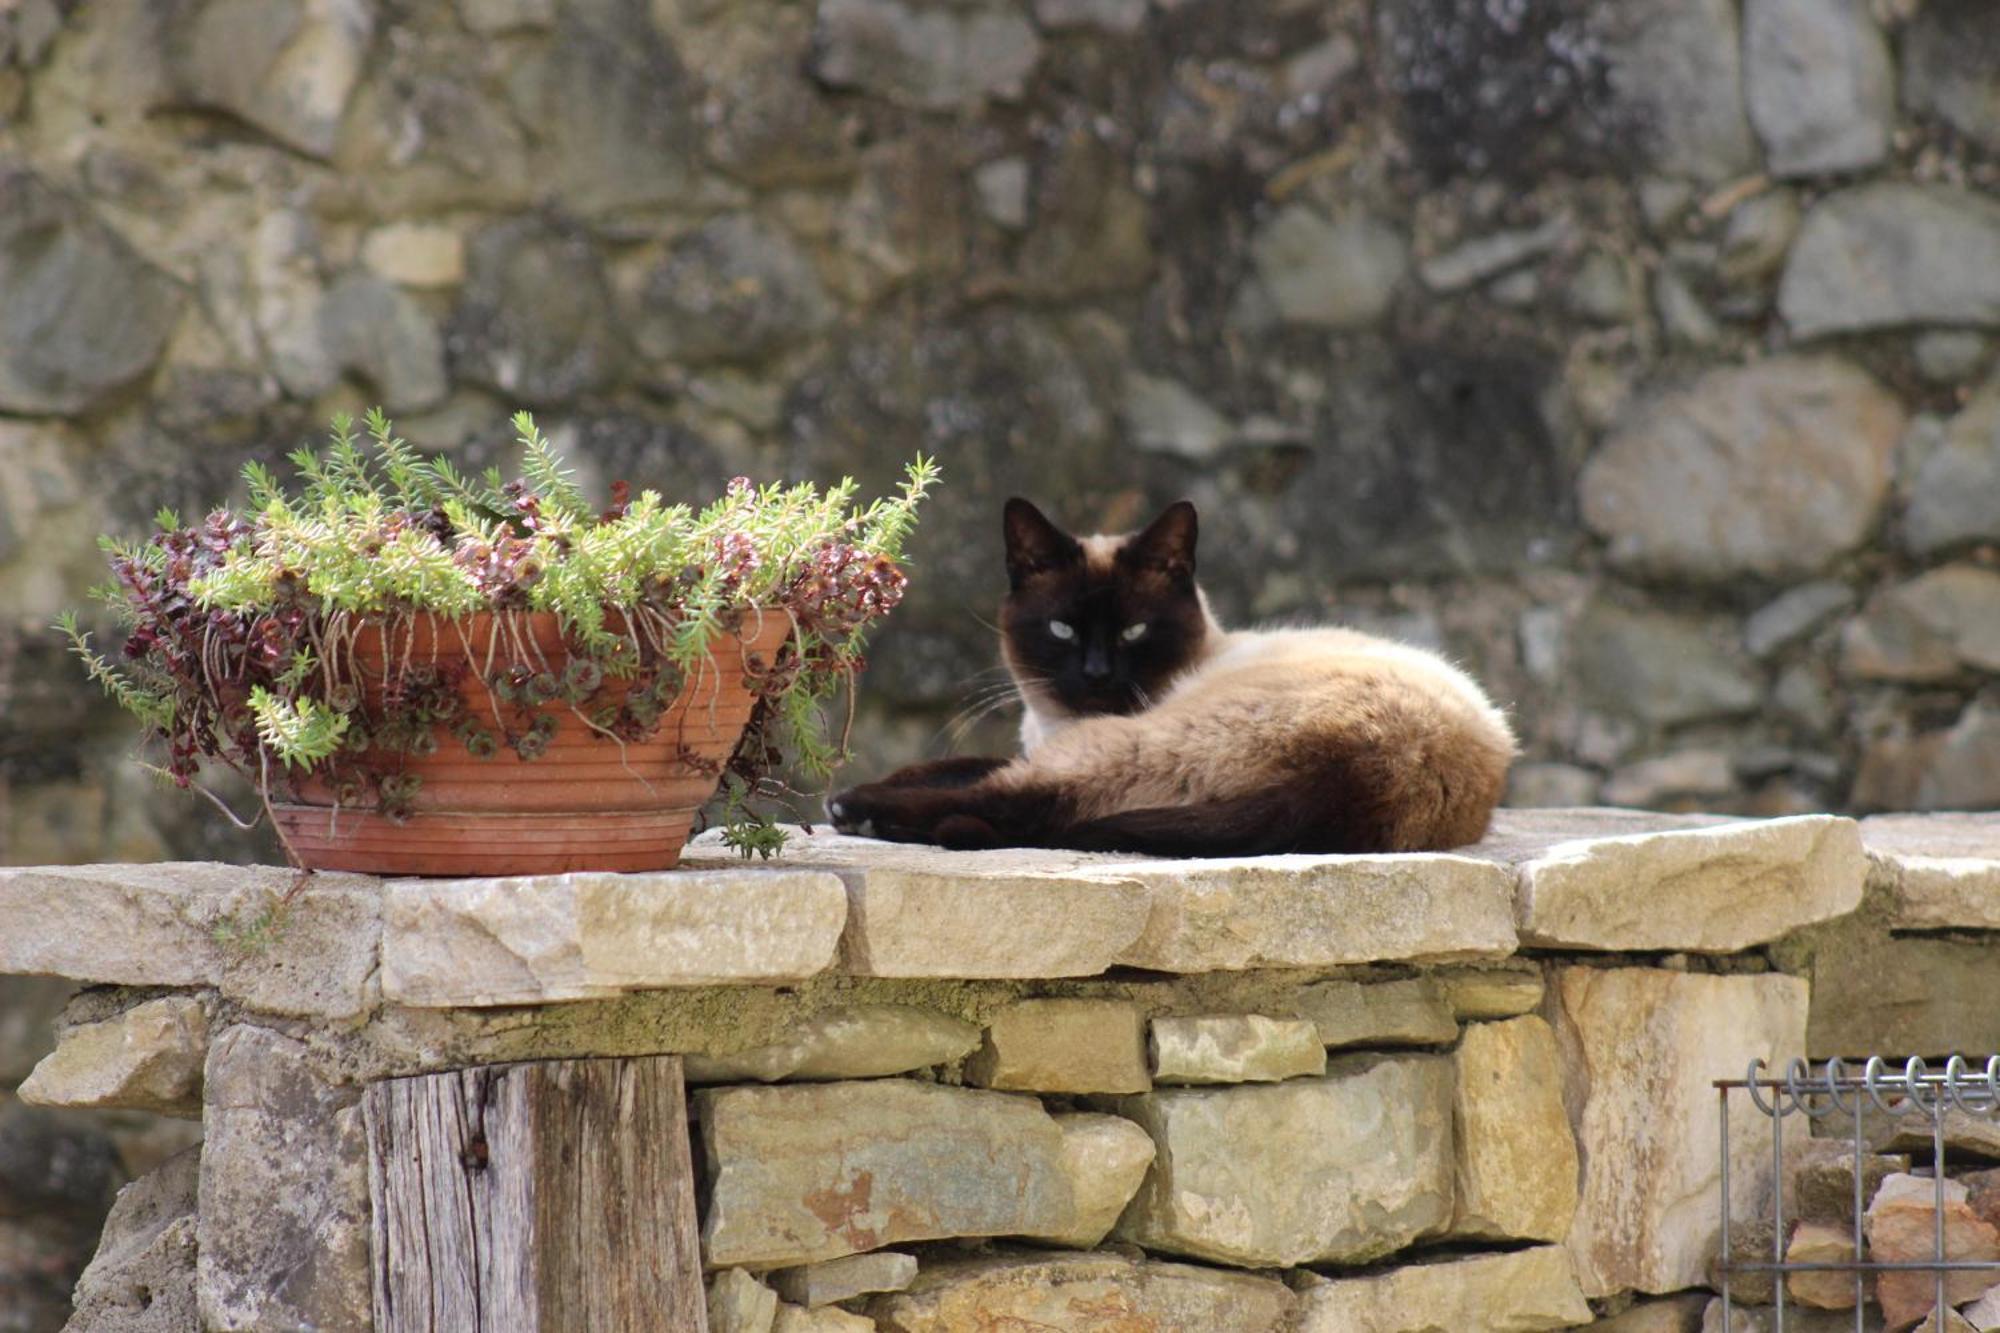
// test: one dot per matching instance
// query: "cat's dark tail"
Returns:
(1263, 824)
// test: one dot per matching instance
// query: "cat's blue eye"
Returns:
(1134, 633)
(1061, 630)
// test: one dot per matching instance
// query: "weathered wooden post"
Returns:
(552, 1197)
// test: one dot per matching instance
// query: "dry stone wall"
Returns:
(1639, 353)
(1141, 1116)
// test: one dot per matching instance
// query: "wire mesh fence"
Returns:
(1892, 1276)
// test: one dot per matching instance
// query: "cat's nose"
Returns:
(1096, 666)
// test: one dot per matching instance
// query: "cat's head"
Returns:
(1100, 624)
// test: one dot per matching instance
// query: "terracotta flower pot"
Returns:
(586, 803)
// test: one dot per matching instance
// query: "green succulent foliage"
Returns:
(301, 732)
(237, 624)
(746, 830)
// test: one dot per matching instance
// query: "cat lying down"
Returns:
(1150, 728)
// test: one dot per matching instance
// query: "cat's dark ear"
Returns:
(1166, 546)
(1035, 545)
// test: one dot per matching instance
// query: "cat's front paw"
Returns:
(878, 810)
(850, 813)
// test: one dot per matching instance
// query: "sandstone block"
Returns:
(1656, 667)
(375, 329)
(1084, 1293)
(1317, 911)
(143, 1277)
(1516, 1160)
(1501, 991)
(1792, 615)
(1412, 1012)
(1882, 255)
(1819, 84)
(1734, 447)
(252, 61)
(1752, 1240)
(194, 924)
(1952, 495)
(1901, 1226)
(799, 1319)
(530, 940)
(81, 314)
(851, 1041)
(1676, 1314)
(922, 912)
(1339, 1169)
(1716, 889)
(1949, 54)
(1106, 1157)
(148, 1058)
(803, 1173)
(284, 1229)
(739, 1303)
(1335, 273)
(1822, 1184)
(1493, 1293)
(1640, 1048)
(416, 254)
(843, 1279)
(535, 319)
(935, 59)
(1073, 1046)
(1235, 1048)
(1983, 1314)
(1931, 628)
(734, 289)
(1945, 868)
(1821, 1243)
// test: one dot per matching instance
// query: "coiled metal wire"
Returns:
(1900, 1092)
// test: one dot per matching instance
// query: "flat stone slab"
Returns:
(1235, 1048)
(844, 1279)
(1515, 1292)
(1946, 868)
(1411, 1012)
(1063, 1046)
(799, 1174)
(924, 912)
(1604, 879)
(1321, 911)
(1569, 879)
(529, 940)
(1340, 1169)
(1088, 1293)
(197, 924)
(850, 1041)
(148, 1058)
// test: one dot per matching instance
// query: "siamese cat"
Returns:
(1150, 728)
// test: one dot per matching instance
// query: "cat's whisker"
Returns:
(983, 702)
(961, 726)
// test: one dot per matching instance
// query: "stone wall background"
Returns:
(1637, 352)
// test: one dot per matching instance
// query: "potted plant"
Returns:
(421, 673)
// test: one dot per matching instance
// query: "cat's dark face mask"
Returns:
(1101, 626)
